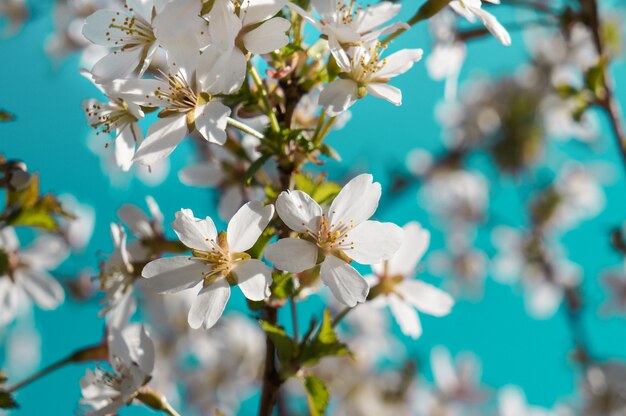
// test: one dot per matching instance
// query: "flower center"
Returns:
(333, 238)
(368, 62)
(220, 259)
(110, 117)
(179, 96)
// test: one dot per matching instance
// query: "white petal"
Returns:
(138, 91)
(443, 369)
(163, 137)
(173, 274)
(97, 28)
(247, 225)
(405, 316)
(8, 300)
(426, 298)
(356, 202)
(224, 26)
(254, 279)
(492, 24)
(338, 96)
(120, 314)
(8, 239)
(202, 175)
(210, 121)
(414, 245)
(231, 200)
(399, 62)
(255, 11)
(374, 16)
(269, 36)
(221, 71)
(209, 305)
(292, 254)
(135, 219)
(346, 284)
(46, 252)
(298, 211)
(118, 64)
(385, 91)
(542, 299)
(374, 241)
(44, 289)
(194, 232)
(125, 144)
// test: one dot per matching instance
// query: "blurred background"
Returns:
(485, 168)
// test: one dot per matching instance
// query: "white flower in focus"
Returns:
(131, 357)
(186, 106)
(237, 29)
(365, 71)
(130, 33)
(218, 262)
(116, 279)
(24, 274)
(342, 234)
(119, 118)
(472, 9)
(350, 23)
(395, 287)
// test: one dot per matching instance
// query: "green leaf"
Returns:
(594, 79)
(430, 8)
(317, 395)
(320, 190)
(286, 347)
(324, 344)
(7, 401)
(255, 166)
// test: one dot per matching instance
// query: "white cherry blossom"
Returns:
(251, 26)
(348, 22)
(218, 262)
(472, 9)
(131, 35)
(365, 71)
(395, 287)
(131, 357)
(186, 106)
(24, 273)
(342, 234)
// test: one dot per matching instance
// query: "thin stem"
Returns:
(49, 369)
(245, 128)
(325, 130)
(271, 378)
(269, 110)
(294, 318)
(341, 315)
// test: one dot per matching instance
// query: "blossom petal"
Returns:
(492, 24)
(118, 64)
(292, 254)
(194, 232)
(356, 202)
(254, 279)
(8, 300)
(125, 143)
(255, 11)
(46, 252)
(298, 211)
(209, 305)
(373, 241)
(414, 245)
(338, 96)
(210, 121)
(346, 284)
(119, 315)
(97, 28)
(385, 91)
(163, 137)
(221, 71)
(269, 36)
(173, 274)
(405, 316)
(374, 16)
(135, 219)
(246, 226)
(225, 25)
(44, 289)
(201, 175)
(399, 62)
(426, 298)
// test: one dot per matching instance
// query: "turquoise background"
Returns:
(50, 134)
